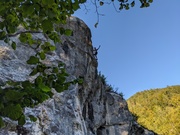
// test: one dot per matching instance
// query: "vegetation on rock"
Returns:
(38, 16)
(108, 87)
(35, 16)
(158, 109)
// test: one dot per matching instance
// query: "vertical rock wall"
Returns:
(85, 109)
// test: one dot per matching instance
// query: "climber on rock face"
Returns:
(95, 51)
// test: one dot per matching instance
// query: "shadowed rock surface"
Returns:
(86, 109)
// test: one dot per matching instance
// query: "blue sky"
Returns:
(140, 48)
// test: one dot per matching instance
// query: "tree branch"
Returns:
(28, 31)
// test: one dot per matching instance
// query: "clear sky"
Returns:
(140, 48)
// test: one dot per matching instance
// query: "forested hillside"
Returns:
(158, 109)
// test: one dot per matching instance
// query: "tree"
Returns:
(117, 4)
(158, 109)
(38, 16)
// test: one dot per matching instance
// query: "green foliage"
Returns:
(15, 114)
(103, 78)
(28, 94)
(126, 4)
(101, 3)
(32, 118)
(158, 109)
(119, 5)
(109, 88)
(13, 45)
(22, 120)
(36, 16)
(1, 122)
(33, 60)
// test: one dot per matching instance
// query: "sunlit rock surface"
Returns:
(85, 109)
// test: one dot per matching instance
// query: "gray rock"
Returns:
(85, 109)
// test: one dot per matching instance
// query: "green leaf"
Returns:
(32, 118)
(23, 37)
(11, 29)
(34, 72)
(37, 7)
(121, 6)
(29, 38)
(40, 96)
(132, 4)
(80, 81)
(61, 79)
(61, 30)
(12, 95)
(48, 2)
(13, 45)
(48, 47)
(147, 4)
(22, 120)
(55, 70)
(59, 88)
(54, 36)
(68, 32)
(2, 35)
(47, 25)
(26, 85)
(75, 5)
(143, 5)
(41, 68)
(1, 122)
(101, 3)
(39, 80)
(44, 88)
(66, 85)
(14, 112)
(29, 9)
(52, 48)
(42, 55)
(127, 6)
(82, 1)
(27, 102)
(33, 60)
(10, 18)
(150, 1)
(6, 40)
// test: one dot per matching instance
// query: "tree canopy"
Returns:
(158, 109)
(39, 16)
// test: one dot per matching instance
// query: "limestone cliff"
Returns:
(86, 109)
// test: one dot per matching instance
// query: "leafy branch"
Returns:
(27, 31)
(39, 16)
(35, 16)
(122, 5)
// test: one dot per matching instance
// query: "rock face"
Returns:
(86, 109)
